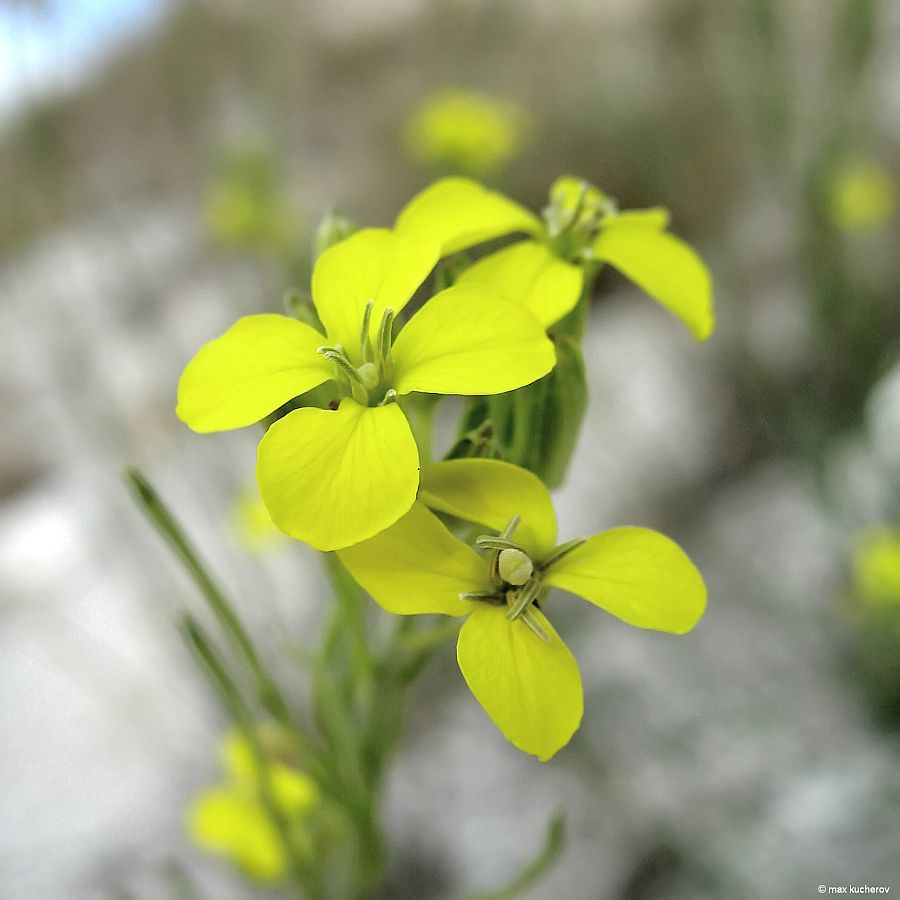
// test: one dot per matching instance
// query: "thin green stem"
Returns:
(554, 844)
(166, 525)
(243, 718)
(420, 414)
(269, 694)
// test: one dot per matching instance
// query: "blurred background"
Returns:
(165, 166)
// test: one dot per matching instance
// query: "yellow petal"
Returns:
(214, 819)
(490, 492)
(228, 823)
(417, 566)
(259, 364)
(876, 567)
(530, 688)
(459, 213)
(372, 264)
(637, 574)
(665, 267)
(530, 274)
(237, 760)
(568, 191)
(294, 793)
(467, 340)
(332, 478)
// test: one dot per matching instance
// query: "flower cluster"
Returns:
(342, 466)
(231, 819)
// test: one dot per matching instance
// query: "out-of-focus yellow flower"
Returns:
(545, 271)
(471, 132)
(231, 820)
(253, 526)
(876, 568)
(863, 196)
(245, 206)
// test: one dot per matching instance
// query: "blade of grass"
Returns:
(554, 843)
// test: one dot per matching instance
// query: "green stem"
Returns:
(420, 414)
(523, 403)
(553, 846)
(267, 690)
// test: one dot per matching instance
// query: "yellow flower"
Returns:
(245, 207)
(332, 477)
(876, 568)
(862, 196)
(469, 131)
(512, 659)
(230, 820)
(545, 272)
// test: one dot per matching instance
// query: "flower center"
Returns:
(370, 380)
(517, 580)
(515, 566)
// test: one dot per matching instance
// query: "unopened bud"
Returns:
(515, 566)
(332, 230)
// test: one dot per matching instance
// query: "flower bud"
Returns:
(515, 566)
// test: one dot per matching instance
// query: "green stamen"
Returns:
(345, 368)
(490, 542)
(365, 345)
(529, 618)
(484, 596)
(523, 599)
(559, 552)
(383, 344)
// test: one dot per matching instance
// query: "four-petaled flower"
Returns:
(545, 272)
(512, 659)
(332, 477)
(466, 131)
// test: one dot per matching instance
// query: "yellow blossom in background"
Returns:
(876, 568)
(231, 820)
(514, 662)
(545, 271)
(252, 524)
(862, 196)
(245, 206)
(467, 131)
